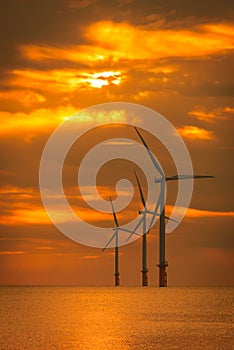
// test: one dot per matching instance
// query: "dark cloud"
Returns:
(209, 9)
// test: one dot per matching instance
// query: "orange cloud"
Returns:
(195, 213)
(32, 214)
(20, 192)
(46, 248)
(44, 120)
(222, 29)
(193, 132)
(229, 109)
(11, 253)
(25, 97)
(109, 40)
(26, 216)
(40, 119)
(38, 216)
(61, 81)
(216, 114)
(206, 213)
(81, 54)
(123, 39)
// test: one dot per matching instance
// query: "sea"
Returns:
(115, 318)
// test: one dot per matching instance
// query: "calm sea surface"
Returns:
(122, 318)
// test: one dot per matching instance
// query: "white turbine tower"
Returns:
(161, 205)
(116, 230)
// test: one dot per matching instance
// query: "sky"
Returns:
(58, 57)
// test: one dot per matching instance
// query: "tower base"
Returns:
(117, 279)
(144, 278)
(162, 275)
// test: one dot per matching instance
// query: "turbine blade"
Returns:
(166, 217)
(134, 231)
(204, 177)
(140, 190)
(129, 231)
(188, 177)
(114, 215)
(154, 161)
(152, 220)
(152, 213)
(112, 237)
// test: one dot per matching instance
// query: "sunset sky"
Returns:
(60, 56)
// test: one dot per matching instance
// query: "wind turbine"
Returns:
(116, 230)
(160, 204)
(142, 221)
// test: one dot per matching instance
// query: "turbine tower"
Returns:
(160, 204)
(142, 221)
(116, 230)
(144, 270)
